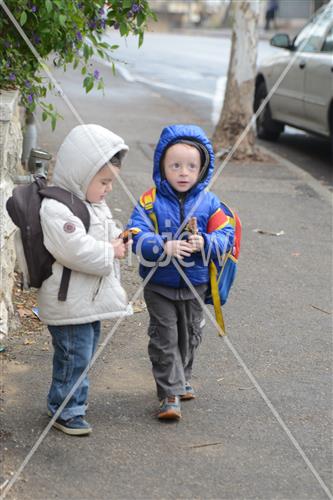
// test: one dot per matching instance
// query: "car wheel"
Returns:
(267, 128)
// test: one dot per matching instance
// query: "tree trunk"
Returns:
(238, 102)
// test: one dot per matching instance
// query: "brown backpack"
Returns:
(23, 208)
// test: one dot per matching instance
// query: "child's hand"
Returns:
(119, 248)
(178, 248)
(197, 242)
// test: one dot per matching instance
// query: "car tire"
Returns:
(267, 128)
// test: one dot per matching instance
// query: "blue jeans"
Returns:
(74, 346)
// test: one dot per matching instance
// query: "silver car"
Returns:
(304, 97)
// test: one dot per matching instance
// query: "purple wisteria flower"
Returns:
(96, 74)
(36, 39)
(103, 24)
(135, 8)
(30, 98)
(79, 36)
(34, 8)
(116, 26)
(27, 84)
(92, 25)
(12, 77)
(101, 11)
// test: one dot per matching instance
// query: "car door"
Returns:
(318, 86)
(287, 102)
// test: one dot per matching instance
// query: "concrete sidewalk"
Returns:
(229, 445)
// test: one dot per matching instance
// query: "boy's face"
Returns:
(182, 167)
(101, 184)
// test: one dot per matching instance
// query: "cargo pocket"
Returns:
(154, 349)
(195, 334)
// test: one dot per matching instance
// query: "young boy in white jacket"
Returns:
(86, 165)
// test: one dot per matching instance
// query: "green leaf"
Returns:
(123, 29)
(140, 18)
(48, 5)
(100, 85)
(23, 18)
(84, 70)
(140, 38)
(127, 4)
(53, 122)
(86, 52)
(62, 20)
(44, 116)
(88, 83)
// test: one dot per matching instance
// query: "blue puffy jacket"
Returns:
(171, 211)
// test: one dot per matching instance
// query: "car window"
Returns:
(328, 44)
(310, 38)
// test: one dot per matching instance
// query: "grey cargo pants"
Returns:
(175, 332)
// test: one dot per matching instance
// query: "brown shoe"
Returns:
(189, 393)
(170, 408)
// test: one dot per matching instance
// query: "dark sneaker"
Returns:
(189, 392)
(170, 408)
(75, 426)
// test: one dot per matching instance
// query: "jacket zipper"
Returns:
(97, 289)
(181, 200)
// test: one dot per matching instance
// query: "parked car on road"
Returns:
(304, 97)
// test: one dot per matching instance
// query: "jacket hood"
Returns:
(171, 135)
(82, 154)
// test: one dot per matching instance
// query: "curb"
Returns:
(321, 190)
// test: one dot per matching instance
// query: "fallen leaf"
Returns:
(29, 342)
(139, 306)
(25, 313)
(270, 233)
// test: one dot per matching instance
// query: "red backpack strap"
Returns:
(147, 201)
(217, 221)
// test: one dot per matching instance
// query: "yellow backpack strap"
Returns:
(147, 202)
(216, 298)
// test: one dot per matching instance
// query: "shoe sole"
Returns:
(72, 432)
(170, 415)
(187, 397)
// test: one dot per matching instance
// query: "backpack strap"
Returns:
(147, 201)
(216, 298)
(80, 210)
(75, 205)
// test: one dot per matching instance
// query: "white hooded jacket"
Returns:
(94, 292)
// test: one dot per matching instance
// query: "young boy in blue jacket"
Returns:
(183, 167)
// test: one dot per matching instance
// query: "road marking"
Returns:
(127, 75)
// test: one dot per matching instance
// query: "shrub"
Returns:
(70, 32)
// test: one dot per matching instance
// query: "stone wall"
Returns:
(10, 155)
